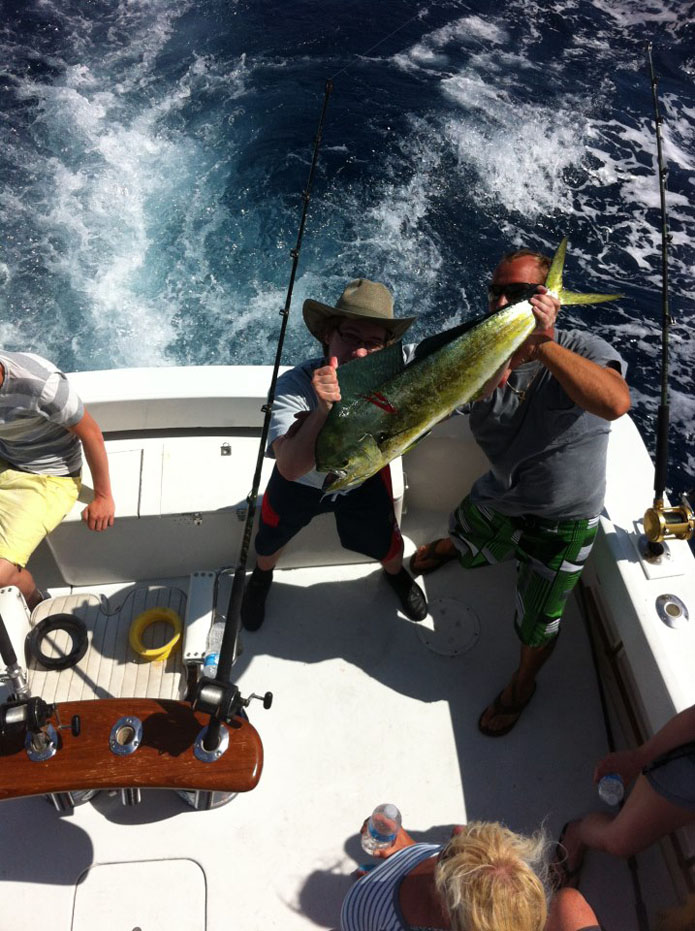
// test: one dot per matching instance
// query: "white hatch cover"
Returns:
(141, 895)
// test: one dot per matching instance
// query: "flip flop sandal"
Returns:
(564, 877)
(430, 554)
(498, 707)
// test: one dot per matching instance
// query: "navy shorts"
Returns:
(364, 517)
(672, 775)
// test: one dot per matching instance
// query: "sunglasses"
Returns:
(356, 341)
(514, 291)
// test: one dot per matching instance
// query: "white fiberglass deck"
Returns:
(363, 713)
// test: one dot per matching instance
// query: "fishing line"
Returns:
(420, 15)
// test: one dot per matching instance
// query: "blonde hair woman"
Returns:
(487, 878)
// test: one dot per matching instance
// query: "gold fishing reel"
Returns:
(673, 523)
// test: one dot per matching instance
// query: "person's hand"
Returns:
(545, 309)
(325, 384)
(627, 763)
(98, 515)
(403, 840)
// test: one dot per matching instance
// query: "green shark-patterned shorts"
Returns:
(550, 557)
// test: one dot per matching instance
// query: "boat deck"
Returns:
(364, 712)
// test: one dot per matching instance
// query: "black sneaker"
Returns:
(410, 595)
(255, 594)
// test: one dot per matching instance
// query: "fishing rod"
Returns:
(218, 696)
(660, 522)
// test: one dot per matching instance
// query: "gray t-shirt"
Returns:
(547, 454)
(37, 404)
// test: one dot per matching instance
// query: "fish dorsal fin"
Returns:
(361, 376)
(438, 340)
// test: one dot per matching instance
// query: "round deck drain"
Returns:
(451, 629)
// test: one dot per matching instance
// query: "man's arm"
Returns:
(597, 389)
(295, 451)
(628, 763)
(98, 515)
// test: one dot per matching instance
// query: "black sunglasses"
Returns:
(514, 291)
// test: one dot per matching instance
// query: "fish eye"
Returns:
(381, 437)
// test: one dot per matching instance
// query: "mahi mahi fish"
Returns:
(386, 407)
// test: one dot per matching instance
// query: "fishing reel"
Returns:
(672, 523)
(223, 700)
(32, 715)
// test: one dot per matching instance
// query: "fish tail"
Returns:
(571, 297)
(554, 280)
(554, 283)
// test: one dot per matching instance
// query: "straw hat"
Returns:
(361, 300)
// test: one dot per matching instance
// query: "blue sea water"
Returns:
(154, 154)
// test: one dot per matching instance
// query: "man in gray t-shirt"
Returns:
(43, 429)
(544, 427)
(361, 322)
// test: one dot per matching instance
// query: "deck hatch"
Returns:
(138, 894)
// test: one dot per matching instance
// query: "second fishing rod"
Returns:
(220, 697)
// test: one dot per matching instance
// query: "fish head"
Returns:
(350, 464)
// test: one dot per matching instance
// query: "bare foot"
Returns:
(569, 856)
(431, 556)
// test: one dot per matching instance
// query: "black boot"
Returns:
(255, 594)
(411, 596)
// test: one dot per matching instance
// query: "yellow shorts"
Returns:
(30, 507)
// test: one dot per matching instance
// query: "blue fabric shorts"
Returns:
(364, 518)
(672, 776)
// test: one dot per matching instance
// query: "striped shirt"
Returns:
(37, 405)
(372, 903)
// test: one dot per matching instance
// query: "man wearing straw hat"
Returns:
(361, 322)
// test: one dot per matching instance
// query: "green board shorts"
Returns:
(550, 556)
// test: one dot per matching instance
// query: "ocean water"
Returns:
(154, 154)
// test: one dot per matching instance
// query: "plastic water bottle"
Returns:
(212, 649)
(382, 828)
(611, 789)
